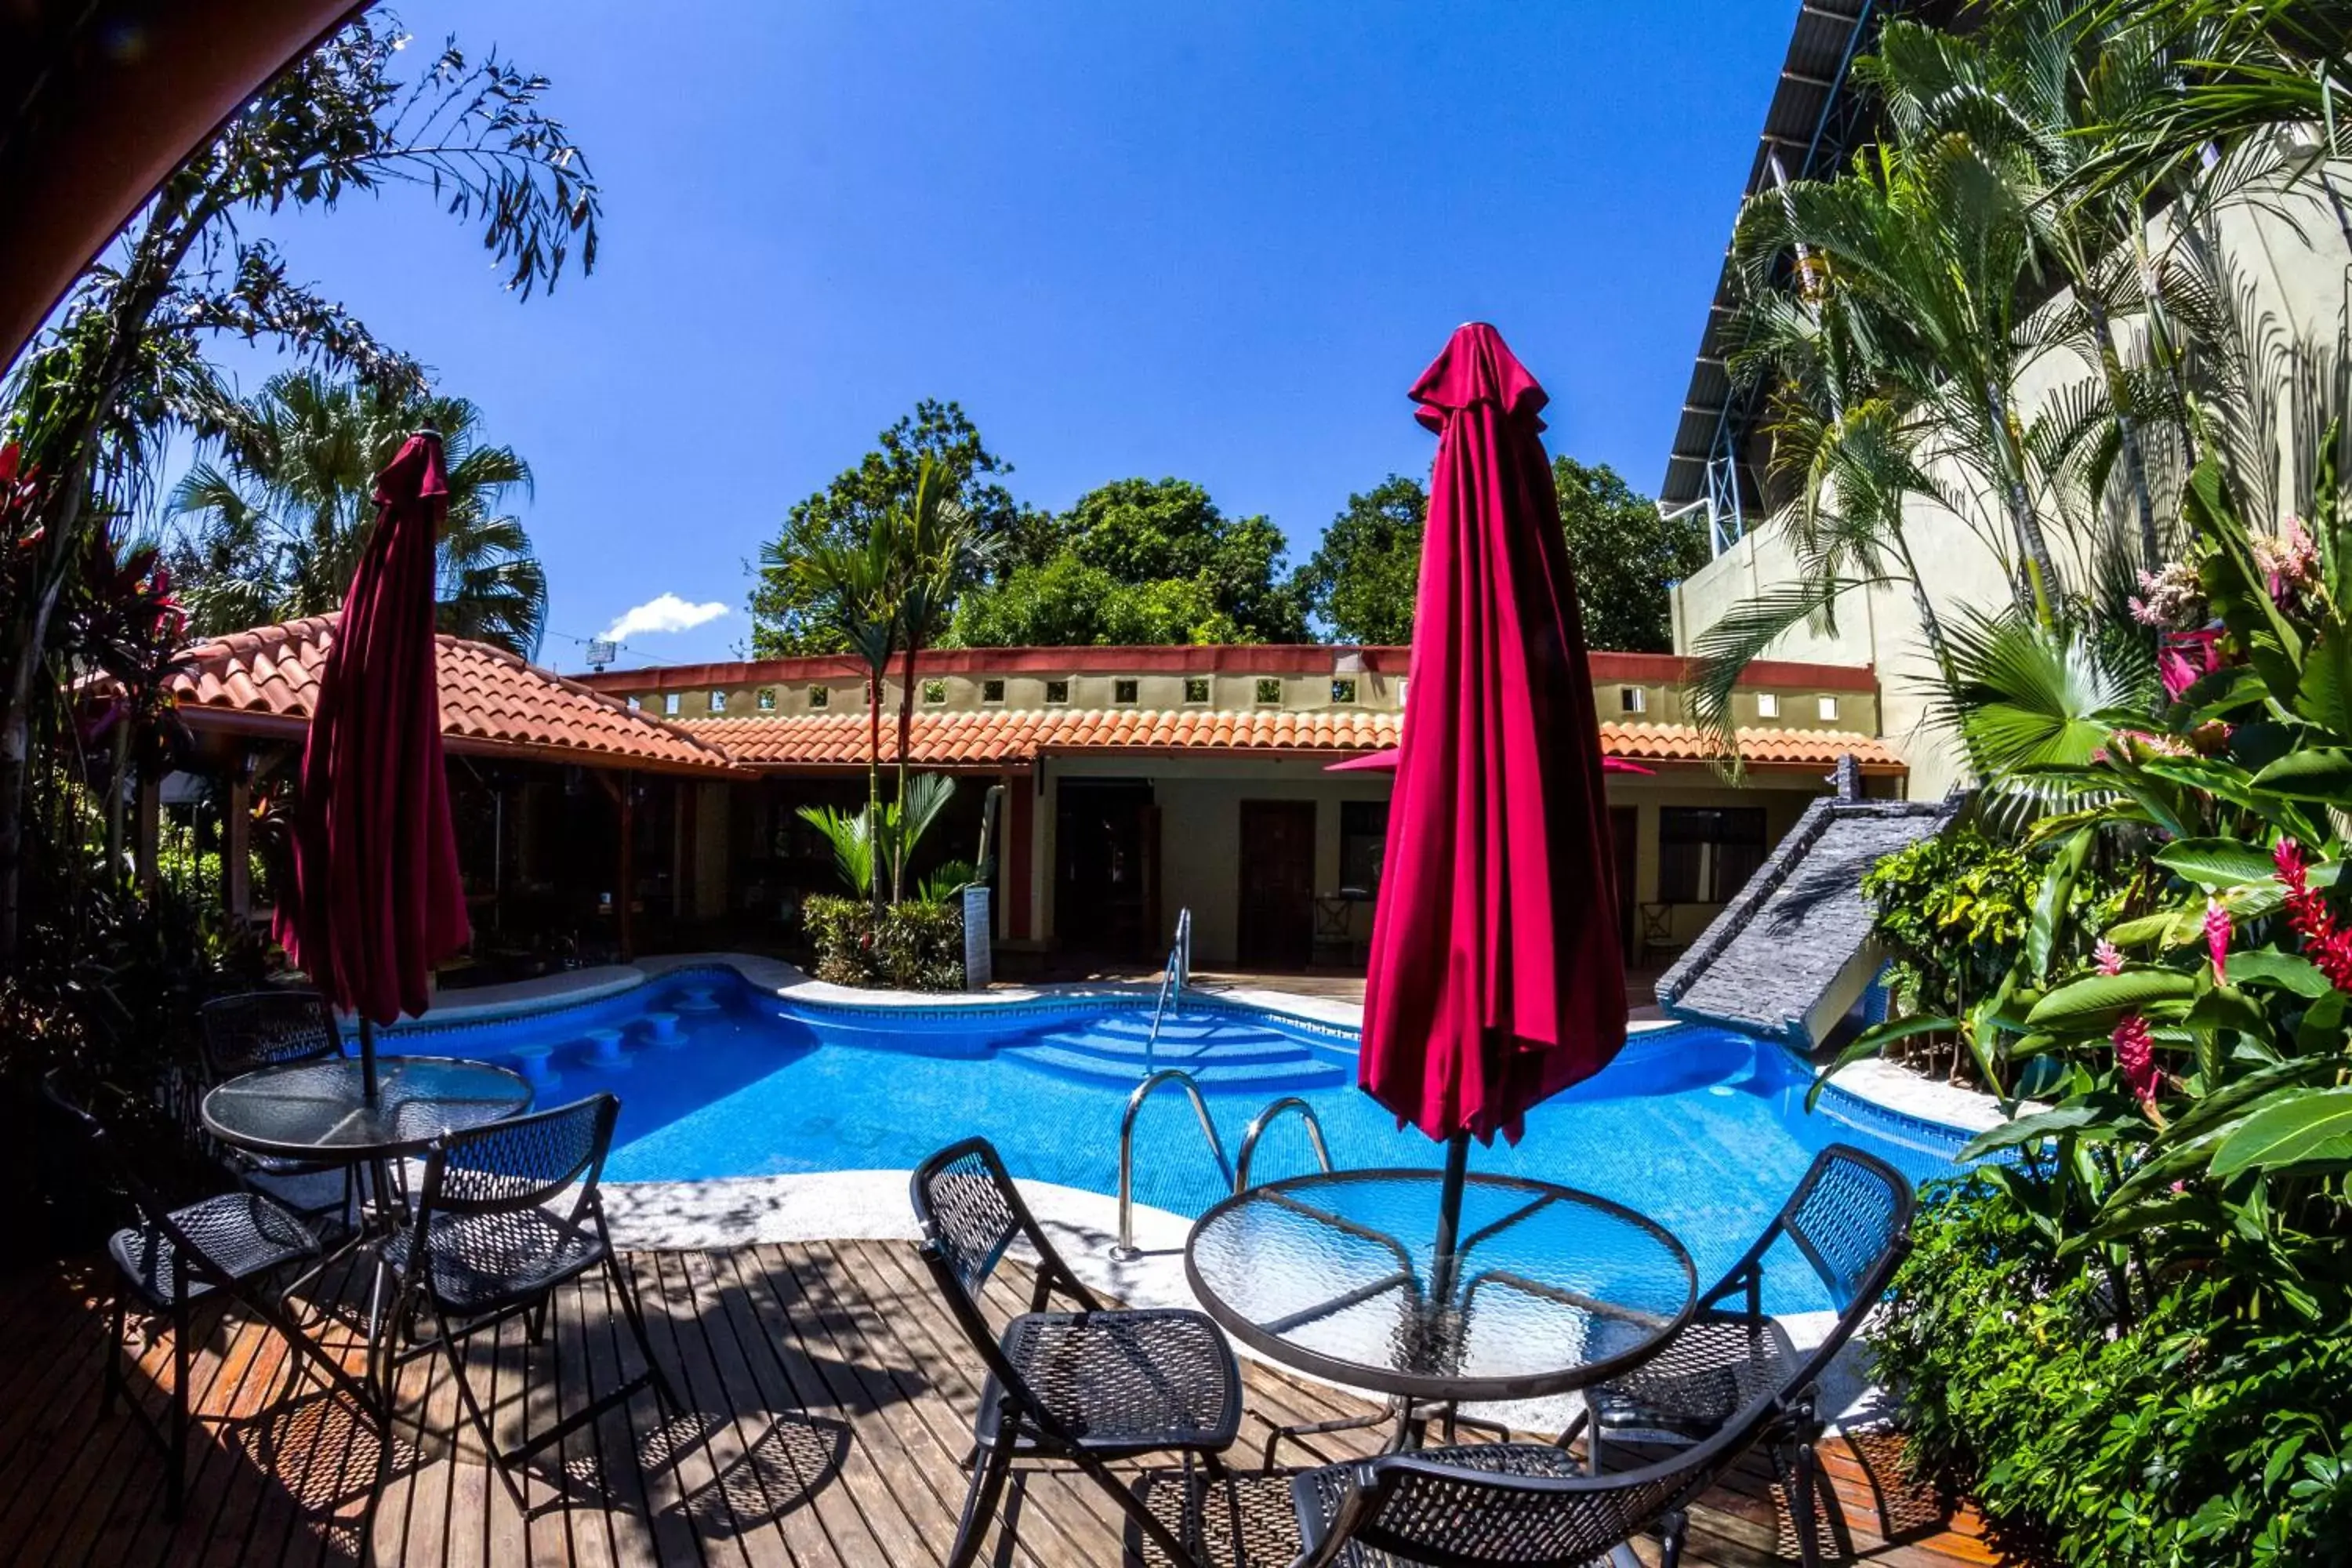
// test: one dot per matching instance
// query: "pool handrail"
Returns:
(1124, 1248)
(1172, 984)
(1266, 1117)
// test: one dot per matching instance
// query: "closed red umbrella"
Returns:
(376, 899)
(1497, 976)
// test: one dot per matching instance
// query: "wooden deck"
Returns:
(832, 1398)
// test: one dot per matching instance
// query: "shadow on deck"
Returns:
(829, 1407)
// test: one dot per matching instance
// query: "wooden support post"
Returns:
(237, 847)
(147, 835)
(625, 896)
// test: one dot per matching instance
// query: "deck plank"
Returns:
(832, 1395)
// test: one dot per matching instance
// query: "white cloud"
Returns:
(665, 613)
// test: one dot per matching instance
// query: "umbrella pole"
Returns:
(1449, 1217)
(367, 1059)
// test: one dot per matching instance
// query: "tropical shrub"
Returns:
(2186, 1436)
(909, 947)
(2132, 1331)
(1954, 913)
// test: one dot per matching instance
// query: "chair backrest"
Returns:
(971, 1214)
(1851, 1219)
(522, 1163)
(1466, 1507)
(261, 1028)
(1850, 1216)
(127, 1170)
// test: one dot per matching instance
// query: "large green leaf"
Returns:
(2287, 971)
(2075, 1117)
(2298, 1126)
(2217, 862)
(2325, 695)
(2099, 1000)
(2321, 773)
(2050, 902)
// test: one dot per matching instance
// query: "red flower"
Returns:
(2217, 939)
(2327, 945)
(2136, 1055)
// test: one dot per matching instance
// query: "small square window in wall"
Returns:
(1124, 693)
(1196, 688)
(934, 693)
(991, 691)
(1343, 688)
(635, 705)
(1829, 707)
(1269, 690)
(1768, 705)
(669, 703)
(820, 696)
(1632, 699)
(718, 702)
(767, 700)
(1057, 691)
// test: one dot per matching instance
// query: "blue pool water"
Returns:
(1702, 1129)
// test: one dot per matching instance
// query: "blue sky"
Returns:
(1215, 238)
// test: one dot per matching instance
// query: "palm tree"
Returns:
(933, 552)
(851, 585)
(271, 527)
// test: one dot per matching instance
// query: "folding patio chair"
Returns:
(263, 1028)
(171, 1258)
(1087, 1386)
(492, 1240)
(1849, 1223)
(1526, 1505)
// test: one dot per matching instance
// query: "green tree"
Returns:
(786, 619)
(90, 404)
(275, 527)
(1359, 582)
(1625, 556)
(1142, 560)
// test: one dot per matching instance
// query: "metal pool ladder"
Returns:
(1236, 1180)
(1171, 988)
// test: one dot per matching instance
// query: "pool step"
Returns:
(1305, 1072)
(1217, 1049)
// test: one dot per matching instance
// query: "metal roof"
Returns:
(1815, 123)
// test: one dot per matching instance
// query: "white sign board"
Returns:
(978, 949)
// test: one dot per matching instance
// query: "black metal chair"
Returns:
(263, 1028)
(1506, 1505)
(171, 1258)
(1087, 1386)
(491, 1240)
(1849, 1223)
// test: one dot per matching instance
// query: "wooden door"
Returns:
(1625, 831)
(1277, 884)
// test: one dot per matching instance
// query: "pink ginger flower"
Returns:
(2109, 958)
(2289, 558)
(2135, 1045)
(2217, 939)
(2185, 658)
(2326, 944)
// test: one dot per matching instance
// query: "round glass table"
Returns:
(316, 1110)
(1550, 1288)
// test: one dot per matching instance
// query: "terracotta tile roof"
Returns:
(492, 703)
(1006, 737)
(1758, 748)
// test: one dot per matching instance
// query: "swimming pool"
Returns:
(1702, 1129)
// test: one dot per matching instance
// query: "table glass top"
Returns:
(1552, 1288)
(319, 1105)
